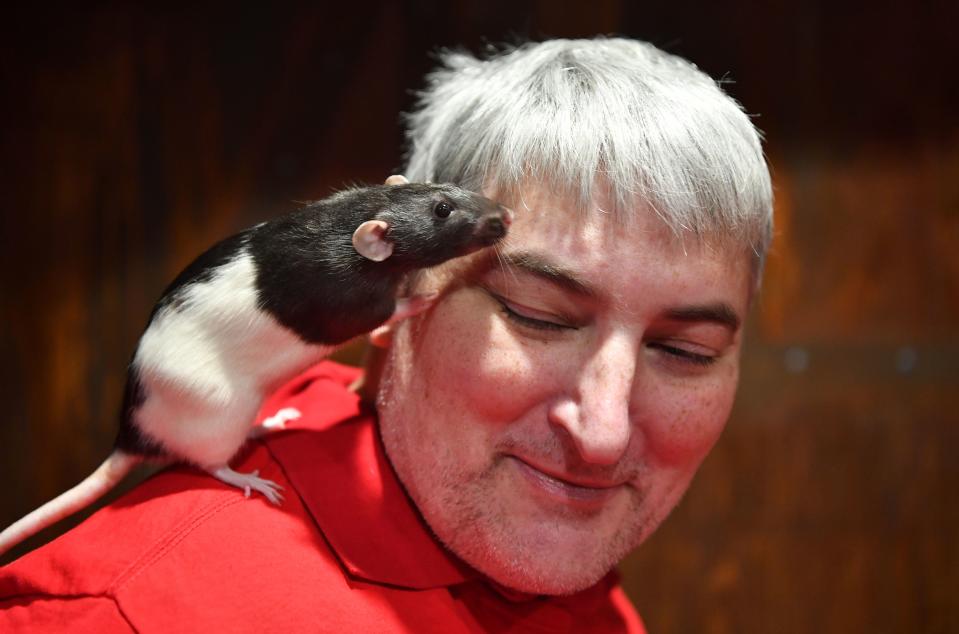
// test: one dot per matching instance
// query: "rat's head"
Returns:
(422, 225)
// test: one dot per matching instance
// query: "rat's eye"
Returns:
(443, 209)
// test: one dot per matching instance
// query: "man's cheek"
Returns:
(480, 364)
(683, 430)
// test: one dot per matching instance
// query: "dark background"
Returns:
(133, 138)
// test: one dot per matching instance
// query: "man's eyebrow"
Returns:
(720, 313)
(535, 264)
(541, 267)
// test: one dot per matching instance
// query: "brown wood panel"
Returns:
(135, 137)
(828, 504)
(872, 237)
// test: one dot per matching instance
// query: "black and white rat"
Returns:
(261, 306)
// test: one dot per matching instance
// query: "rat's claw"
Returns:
(271, 491)
(273, 496)
(249, 482)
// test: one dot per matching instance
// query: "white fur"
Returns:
(281, 418)
(206, 364)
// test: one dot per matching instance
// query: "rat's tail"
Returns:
(117, 465)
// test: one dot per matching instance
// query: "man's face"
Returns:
(546, 415)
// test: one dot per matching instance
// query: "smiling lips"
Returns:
(578, 493)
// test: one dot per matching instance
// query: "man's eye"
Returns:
(524, 320)
(683, 355)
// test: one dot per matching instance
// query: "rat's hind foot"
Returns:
(249, 482)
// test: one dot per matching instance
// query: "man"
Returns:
(534, 426)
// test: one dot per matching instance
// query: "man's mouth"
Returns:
(570, 489)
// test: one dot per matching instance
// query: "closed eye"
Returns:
(515, 315)
(684, 356)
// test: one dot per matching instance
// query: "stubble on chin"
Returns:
(471, 521)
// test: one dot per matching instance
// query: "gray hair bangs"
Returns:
(607, 112)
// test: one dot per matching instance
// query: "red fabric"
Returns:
(345, 552)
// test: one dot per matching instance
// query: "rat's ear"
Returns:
(370, 241)
(396, 179)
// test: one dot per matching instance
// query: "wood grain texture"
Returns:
(134, 138)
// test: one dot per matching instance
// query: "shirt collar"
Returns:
(346, 482)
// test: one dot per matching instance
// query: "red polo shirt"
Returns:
(345, 552)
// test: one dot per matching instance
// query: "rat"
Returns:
(260, 307)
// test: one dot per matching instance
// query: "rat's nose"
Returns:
(493, 227)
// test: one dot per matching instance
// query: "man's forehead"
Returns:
(543, 215)
(567, 232)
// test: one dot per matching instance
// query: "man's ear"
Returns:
(396, 179)
(374, 360)
(370, 241)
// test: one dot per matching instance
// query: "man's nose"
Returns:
(595, 410)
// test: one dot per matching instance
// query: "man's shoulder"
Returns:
(181, 547)
(177, 510)
(174, 507)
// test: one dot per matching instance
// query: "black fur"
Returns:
(313, 281)
(310, 277)
(129, 437)
(201, 269)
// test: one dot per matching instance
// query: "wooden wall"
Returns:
(132, 138)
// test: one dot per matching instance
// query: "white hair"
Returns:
(577, 114)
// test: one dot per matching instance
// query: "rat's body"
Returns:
(261, 306)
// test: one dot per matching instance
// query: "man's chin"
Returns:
(540, 562)
(533, 579)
